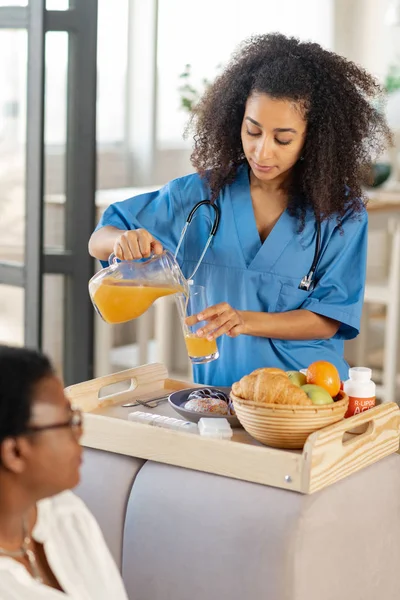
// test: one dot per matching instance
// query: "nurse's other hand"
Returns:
(135, 244)
(221, 319)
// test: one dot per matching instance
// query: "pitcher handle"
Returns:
(112, 259)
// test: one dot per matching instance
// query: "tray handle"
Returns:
(349, 445)
(85, 395)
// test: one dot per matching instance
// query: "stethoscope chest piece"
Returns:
(308, 282)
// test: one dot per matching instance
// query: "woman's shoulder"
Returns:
(195, 187)
(190, 186)
(65, 502)
(62, 506)
(351, 220)
(65, 514)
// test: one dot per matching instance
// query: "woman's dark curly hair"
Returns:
(345, 130)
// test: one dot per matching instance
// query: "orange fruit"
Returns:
(326, 375)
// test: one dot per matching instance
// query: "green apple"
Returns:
(317, 394)
(297, 378)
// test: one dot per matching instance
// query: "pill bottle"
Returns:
(360, 390)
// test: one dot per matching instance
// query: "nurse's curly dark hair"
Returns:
(346, 130)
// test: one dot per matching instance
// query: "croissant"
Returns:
(271, 370)
(270, 386)
(245, 387)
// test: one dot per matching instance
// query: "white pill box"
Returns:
(161, 421)
(215, 428)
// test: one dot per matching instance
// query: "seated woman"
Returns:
(50, 544)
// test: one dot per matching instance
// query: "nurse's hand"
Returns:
(135, 244)
(221, 319)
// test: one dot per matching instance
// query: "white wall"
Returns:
(362, 35)
(206, 34)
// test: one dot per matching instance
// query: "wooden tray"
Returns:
(328, 455)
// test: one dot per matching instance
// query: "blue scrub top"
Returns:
(255, 276)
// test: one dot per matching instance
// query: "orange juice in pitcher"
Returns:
(120, 301)
(125, 290)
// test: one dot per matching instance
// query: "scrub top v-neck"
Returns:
(250, 275)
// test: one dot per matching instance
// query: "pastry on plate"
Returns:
(208, 405)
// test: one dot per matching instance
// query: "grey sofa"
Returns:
(179, 534)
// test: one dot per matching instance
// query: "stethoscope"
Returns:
(213, 231)
(306, 284)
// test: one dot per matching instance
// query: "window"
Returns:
(13, 50)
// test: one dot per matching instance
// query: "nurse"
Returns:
(281, 139)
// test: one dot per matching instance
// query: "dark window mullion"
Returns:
(34, 175)
(80, 191)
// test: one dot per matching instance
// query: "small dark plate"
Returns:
(178, 399)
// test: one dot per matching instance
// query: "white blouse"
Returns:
(76, 552)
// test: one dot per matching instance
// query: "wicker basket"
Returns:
(287, 426)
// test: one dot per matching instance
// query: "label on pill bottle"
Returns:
(359, 405)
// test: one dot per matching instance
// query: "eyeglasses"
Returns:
(74, 422)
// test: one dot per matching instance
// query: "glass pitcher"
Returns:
(126, 289)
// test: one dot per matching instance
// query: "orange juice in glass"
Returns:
(200, 349)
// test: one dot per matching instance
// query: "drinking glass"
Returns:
(200, 349)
